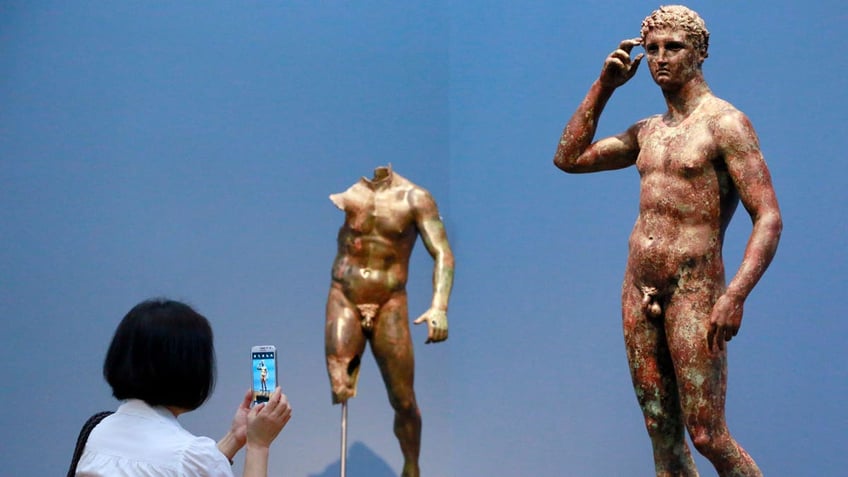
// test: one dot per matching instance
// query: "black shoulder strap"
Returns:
(83, 437)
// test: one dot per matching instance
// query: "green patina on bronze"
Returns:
(696, 162)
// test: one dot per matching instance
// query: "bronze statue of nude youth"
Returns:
(696, 162)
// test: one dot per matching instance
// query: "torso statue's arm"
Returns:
(739, 147)
(435, 239)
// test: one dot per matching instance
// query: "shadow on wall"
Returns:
(361, 462)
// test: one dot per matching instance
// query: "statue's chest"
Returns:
(677, 151)
(384, 213)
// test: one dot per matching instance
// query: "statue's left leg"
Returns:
(392, 347)
(702, 381)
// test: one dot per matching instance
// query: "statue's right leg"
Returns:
(344, 343)
(654, 381)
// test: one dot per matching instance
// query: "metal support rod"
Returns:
(344, 440)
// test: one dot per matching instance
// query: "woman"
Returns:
(161, 363)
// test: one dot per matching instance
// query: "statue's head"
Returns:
(678, 17)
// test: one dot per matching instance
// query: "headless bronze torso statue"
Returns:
(367, 302)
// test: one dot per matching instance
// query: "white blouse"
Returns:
(140, 440)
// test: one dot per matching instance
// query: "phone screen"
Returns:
(264, 372)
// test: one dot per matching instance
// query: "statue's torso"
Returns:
(686, 200)
(375, 241)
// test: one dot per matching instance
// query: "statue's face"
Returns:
(672, 59)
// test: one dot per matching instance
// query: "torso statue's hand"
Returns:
(437, 324)
(725, 320)
(618, 67)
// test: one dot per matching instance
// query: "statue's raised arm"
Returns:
(576, 152)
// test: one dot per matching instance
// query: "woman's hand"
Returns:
(235, 439)
(266, 420)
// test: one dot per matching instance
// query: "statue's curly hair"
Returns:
(678, 17)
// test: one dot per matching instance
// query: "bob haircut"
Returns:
(163, 354)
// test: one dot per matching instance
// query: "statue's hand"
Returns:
(618, 67)
(725, 320)
(437, 324)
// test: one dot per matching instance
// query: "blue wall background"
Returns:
(187, 150)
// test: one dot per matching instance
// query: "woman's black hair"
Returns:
(162, 353)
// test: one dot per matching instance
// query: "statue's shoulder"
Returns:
(402, 182)
(411, 189)
(349, 196)
(718, 108)
(724, 116)
(645, 123)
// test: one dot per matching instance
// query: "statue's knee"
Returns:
(404, 405)
(709, 443)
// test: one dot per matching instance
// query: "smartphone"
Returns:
(264, 371)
